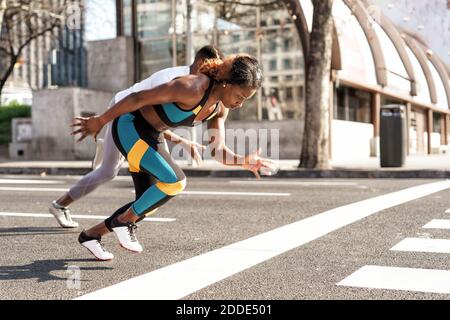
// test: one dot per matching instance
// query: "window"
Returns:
(340, 97)
(287, 44)
(353, 105)
(300, 92)
(287, 64)
(289, 95)
(273, 46)
(273, 64)
(437, 122)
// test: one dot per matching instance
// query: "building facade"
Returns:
(57, 59)
(375, 63)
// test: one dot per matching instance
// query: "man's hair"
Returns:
(208, 52)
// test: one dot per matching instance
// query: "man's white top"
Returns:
(153, 81)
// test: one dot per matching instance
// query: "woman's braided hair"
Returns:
(241, 69)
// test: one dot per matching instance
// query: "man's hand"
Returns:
(193, 149)
(88, 126)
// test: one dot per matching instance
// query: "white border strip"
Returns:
(76, 216)
(183, 278)
(205, 193)
(423, 245)
(299, 183)
(24, 181)
(438, 224)
(394, 278)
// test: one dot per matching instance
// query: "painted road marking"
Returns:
(300, 183)
(23, 181)
(447, 211)
(34, 189)
(77, 216)
(206, 193)
(227, 193)
(438, 224)
(394, 278)
(183, 278)
(423, 245)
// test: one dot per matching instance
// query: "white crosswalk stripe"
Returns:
(396, 278)
(438, 224)
(423, 245)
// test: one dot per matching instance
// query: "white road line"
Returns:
(227, 193)
(438, 224)
(394, 278)
(183, 278)
(23, 181)
(76, 216)
(423, 245)
(206, 193)
(34, 189)
(447, 211)
(300, 183)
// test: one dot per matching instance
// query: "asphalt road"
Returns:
(39, 260)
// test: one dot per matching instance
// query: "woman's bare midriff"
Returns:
(150, 115)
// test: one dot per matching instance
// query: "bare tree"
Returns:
(23, 21)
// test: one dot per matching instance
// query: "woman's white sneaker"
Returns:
(95, 246)
(127, 236)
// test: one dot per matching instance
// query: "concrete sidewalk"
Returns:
(432, 166)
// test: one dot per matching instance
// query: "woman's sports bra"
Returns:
(174, 116)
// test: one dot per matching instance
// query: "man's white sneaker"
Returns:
(95, 246)
(127, 237)
(62, 215)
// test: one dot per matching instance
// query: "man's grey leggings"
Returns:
(111, 164)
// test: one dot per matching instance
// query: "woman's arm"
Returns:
(221, 153)
(185, 90)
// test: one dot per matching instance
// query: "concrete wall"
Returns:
(52, 113)
(351, 140)
(278, 139)
(110, 64)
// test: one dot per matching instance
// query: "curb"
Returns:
(285, 174)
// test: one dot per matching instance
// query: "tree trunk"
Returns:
(315, 148)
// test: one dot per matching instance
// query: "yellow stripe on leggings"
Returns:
(135, 155)
(151, 212)
(171, 189)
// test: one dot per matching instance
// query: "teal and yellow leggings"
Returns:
(156, 177)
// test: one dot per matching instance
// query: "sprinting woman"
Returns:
(112, 158)
(138, 123)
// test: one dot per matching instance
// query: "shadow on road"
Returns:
(42, 269)
(26, 231)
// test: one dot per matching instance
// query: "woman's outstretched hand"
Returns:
(87, 126)
(254, 162)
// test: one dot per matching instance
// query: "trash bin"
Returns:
(392, 135)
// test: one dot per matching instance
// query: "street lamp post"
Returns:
(258, 56)
(191, 162)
